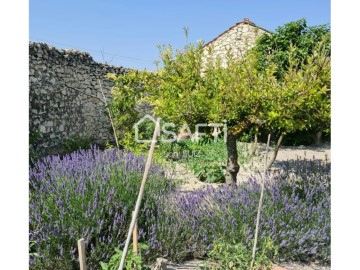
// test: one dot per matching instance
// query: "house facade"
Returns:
(238, 39)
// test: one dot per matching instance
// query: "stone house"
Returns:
(238, 39)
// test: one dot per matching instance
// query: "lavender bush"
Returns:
(88, 194)
(295, 220)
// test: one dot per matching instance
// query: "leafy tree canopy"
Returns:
(276, 47)
(192, 88)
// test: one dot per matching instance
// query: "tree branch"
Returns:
(82, 92)
(276, 150)
(103, 101)
(109, 113)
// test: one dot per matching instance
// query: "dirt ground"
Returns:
(190, 182)
(286, 153)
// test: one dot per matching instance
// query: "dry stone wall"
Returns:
(57, 111)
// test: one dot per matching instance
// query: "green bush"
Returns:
(75, 143)
(205, 158)
(210, 173)
(34, 140)
(237, 256)
(133, 261)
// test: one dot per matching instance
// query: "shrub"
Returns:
(75, 143)
(295, 217)
(34, 140)
(210, 173)
(237, 256)
(206, 158)
(89, 194)
(133, 261)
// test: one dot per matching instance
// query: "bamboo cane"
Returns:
(109, 113)
(141, 193)
(81, 248)
(260, 204)
(135, 243)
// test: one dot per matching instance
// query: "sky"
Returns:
(126, 33)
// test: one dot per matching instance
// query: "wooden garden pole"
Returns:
(109, 113)
(141, 193)
(135, 243)
(260, 204)
(82, 258)
(103, 101)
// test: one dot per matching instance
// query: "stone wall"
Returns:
(57, 111)
(238, 39)
(64, 86)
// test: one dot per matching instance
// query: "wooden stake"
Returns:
(260, 204)
(82, 258)
(141, 193)
(103, 101)
(109, 113)
(135, 243)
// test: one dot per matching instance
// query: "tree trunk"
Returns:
(232, 167)
(276, 150)
(318, 138)
(254, 147)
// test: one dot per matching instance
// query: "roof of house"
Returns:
(245, 21)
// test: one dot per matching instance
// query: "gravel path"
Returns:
(190, 182)
(191, 265)
(195, 265)
(285, 154)
(297, 266)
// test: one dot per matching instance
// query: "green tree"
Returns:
(296, 38)
(304, 96)
(190, 88)
(301, 41)
(126, 95)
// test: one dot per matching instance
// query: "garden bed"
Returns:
(90, 194)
